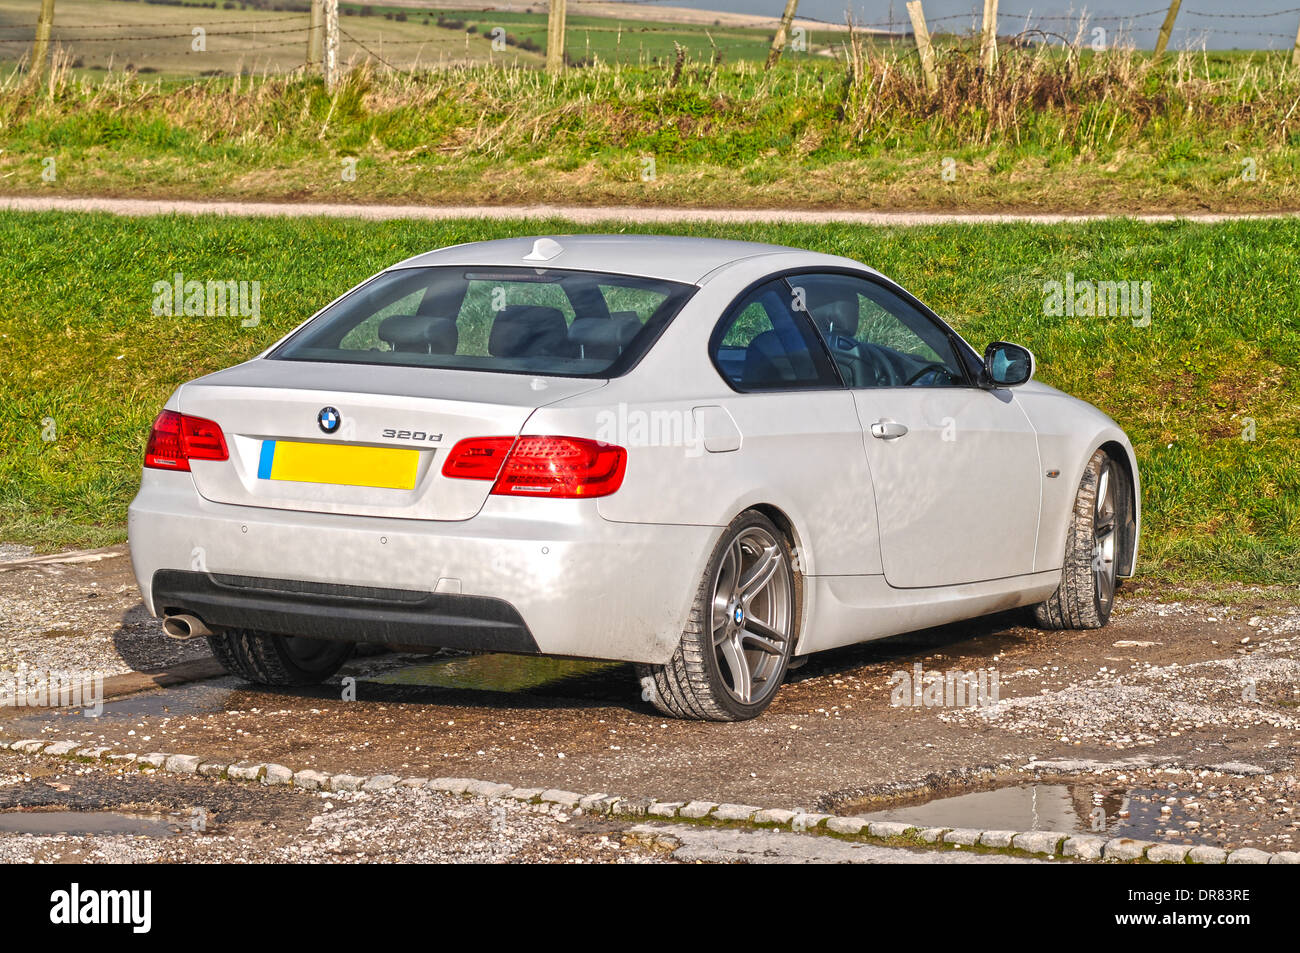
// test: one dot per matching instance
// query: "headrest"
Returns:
(776, 357)
(418, 333)
(605, 334)
(837, 316)
(525, 330)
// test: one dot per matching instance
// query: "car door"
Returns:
(955, 466)
(800, 428)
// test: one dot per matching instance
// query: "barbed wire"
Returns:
(189, 23)
(169, 36)
(345, 33)
(1243, 16)
(898, 28)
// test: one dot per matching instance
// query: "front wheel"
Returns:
(741, 631)
(1090, 576)
(284, 661)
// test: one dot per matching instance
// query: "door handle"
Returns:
(888, 429)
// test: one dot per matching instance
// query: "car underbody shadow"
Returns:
(982, 637)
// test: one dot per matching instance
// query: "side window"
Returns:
(764, 343)
(877, 338)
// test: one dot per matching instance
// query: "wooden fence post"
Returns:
(923, 47)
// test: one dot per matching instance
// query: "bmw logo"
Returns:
(329, 419)
(739, 615)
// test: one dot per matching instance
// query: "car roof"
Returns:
(668, 257)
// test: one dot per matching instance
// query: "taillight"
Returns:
(565, 467)
(176, 439)
(477, 458)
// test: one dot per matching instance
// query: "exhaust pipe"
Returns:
(183, 627)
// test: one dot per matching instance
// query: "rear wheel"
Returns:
(277, 659)
(1090, 577)
(741, 631)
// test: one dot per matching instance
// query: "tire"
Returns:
(1089, 579)
(736, 646)
(278, 660)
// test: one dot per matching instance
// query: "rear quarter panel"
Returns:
(800, 452)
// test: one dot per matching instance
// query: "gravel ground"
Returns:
(1134, 702)
(1184, 693)
(78, 618)
(706, 845)
(253, 824)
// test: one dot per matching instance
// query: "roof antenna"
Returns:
(544, 249)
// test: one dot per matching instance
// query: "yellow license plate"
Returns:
(390, 468)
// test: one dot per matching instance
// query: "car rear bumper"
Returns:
(346, 613)
(529, 575)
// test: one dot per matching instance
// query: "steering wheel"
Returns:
(930, 366)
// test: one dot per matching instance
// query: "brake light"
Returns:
(176, 439)
(563, 467)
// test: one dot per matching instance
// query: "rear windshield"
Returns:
(515, 320)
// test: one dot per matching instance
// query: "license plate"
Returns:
(389, 468)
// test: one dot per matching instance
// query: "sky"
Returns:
(1236, 25)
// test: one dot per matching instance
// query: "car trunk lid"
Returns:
(394, 427)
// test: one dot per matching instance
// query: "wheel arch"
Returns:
(1123, 454)
(783, 522)
(790, 531)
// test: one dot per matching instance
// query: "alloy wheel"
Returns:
(1104, 567)
(752, 618)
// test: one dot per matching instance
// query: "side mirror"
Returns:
(1007, 364)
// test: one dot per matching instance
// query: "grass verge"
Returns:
(1050, 130)
(84, 365)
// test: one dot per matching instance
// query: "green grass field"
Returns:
(1049, 131)
(85, 365)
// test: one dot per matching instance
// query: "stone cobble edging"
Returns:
(1056, 844)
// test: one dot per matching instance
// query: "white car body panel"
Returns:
(890, 535)
(953, 432)
(558, 565)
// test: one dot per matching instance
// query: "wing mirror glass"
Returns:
(1007, 364)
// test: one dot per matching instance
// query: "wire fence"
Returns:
(416, 37)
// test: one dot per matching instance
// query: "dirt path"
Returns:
(1182, 717)
(582, 215)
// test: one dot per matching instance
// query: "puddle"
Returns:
(204, 697)
(1076, 809)
(83, 823)
(528, 674)
(405, 683)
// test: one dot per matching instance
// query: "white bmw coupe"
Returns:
(710, 458)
